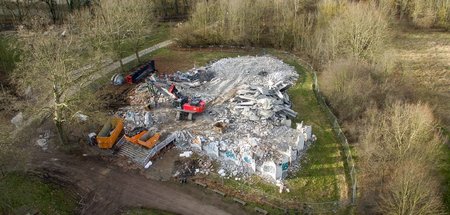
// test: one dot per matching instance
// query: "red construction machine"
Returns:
(186, 107)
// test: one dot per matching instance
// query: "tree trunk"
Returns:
(138, 57)
(69, 5)
(164, 7)
(60, 131)
(176, 8)
(58, 116)
(53, 9)
(121, 65)
(19, 10)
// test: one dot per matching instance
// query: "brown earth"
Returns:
(107, 188)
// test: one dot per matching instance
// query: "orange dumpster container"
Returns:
(149, 139)
(109, 133)
(134, 139)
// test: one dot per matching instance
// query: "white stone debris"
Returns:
(186, 154)
(247, 126)
(17, 120)
(148, 164)
(43, 140)
(222, 172)
(81, 117)
(42, 143)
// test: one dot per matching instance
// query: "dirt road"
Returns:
(111, 189)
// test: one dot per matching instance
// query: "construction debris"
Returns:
(148, 164)
(246, 127)
(17, 120)
(43, 140)
(186, 154)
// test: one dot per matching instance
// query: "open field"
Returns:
(424, 57)
(21, 194)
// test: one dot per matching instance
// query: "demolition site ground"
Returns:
(320, 175)
(109, 184)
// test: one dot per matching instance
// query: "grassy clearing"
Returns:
(424, 57)
(160, 33)
(322, 176)
(20, 193)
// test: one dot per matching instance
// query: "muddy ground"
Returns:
(107, 184)
(106, 188)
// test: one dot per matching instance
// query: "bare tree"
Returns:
(19, 10)
(358, 31)
(287, 24)
(392, 143)
(349, 87)
(122, 24)
(54, 60)
(53, 9)
(411, 189)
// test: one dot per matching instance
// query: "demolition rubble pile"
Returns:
(249, 118)
(247, 125)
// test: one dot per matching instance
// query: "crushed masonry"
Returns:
(247, 126)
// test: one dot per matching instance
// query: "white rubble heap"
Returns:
(249, 96)
(247, 124)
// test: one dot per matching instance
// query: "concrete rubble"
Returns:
(43, 140)
(247, 126)
(17, 120)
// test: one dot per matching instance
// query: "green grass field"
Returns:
(21, 193)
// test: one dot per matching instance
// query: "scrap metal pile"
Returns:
(247, 123)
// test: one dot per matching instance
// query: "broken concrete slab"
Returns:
(17, 120)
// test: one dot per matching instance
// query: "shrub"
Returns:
(8, 55)
(358, 31)
(282, 24)
(422, 13)
(399, 149)
(348, 86)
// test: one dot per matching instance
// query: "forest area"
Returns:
(382, 65)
